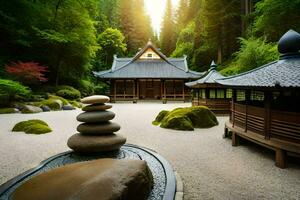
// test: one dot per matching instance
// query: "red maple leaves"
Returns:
(28, 72)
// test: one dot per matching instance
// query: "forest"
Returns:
(60, 42)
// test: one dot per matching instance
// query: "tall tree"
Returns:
(182, 14)
(167, 35)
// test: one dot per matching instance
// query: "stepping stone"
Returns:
(105, 179)
(98, 129)
(68, 107)
(95, 99)
(93, 144)
(97, 107)
(96, 116)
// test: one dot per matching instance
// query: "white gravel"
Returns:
(209, 166)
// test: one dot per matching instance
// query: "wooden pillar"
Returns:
(115, 90)
(138, 89)
(235, 139)
(198, 92)
(281, 158)
(267, 101)
(183, 94)
(164, 88)
(174, 95)
(133, 88)
(247, 100)
(233, 106)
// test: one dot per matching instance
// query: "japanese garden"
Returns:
(149, 99)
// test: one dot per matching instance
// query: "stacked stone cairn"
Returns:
(97, 132)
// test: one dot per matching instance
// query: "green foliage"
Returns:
(275, 17)
(11, 91)
(86, 87)
(252, 54)
(167, 35)
(101, 88)
(111, 42)
(34, 126)
(69, 94)
(76, 104)
(7, 110)
(187, 118)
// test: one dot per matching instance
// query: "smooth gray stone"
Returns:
(95, 99)
(68, 107)
(92, 143)
(98, 129)
(97, 107)
(96, 116)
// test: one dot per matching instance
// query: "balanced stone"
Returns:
(105, 179)
(97, 107)
(98, 129)
(95, 99)
(96, 116)
(92, 144)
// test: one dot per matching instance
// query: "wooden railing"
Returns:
(213, 104)
(273, 124)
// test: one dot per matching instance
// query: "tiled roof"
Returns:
(283, 73)
(152, 68)
(210, 78)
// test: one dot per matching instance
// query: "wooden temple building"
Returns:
(148, 75)
(206, 92)
(265, 106)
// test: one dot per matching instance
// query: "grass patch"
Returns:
(34, 126)
(186, 118)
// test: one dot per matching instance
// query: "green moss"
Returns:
(160, 117)
(34, 126)
(37, 129)
(51, 103)
(187, 118)
(64, 101)
(21, 125)
(7, 110)
(76, 104)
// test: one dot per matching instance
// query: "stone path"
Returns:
(209, 166)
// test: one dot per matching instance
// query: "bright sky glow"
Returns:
(156, 9)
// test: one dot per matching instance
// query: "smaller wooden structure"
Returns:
(206, 92)
(265, 106)
(149, 75)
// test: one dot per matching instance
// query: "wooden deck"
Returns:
(277, 130)
(218, 106)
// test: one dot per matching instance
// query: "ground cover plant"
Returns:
(34, 126)
(186, 119)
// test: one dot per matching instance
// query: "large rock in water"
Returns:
(103, 179)
(97, 107)
(96, 116)
(93, 144)
(95, 99)
(98, 129)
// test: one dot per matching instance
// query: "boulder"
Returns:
(95, 99)
(45, 108)
(95, 116)
(31, 109)
(68, 107)
(103, 179)
(99, 128)
(97, 107)
(92, 144)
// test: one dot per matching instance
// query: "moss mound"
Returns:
(7, 110)
(63, 100)
(53, 104)
(76, 104)
(160, 117)
(186, 118)
(34, 126)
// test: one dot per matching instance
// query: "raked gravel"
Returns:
(209, 166)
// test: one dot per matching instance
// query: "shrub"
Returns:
(187, 118)
(69, 94)
(76, 104)
(27, 72)
(10, 90)
(34, 126)
(101, 88)
(86, 87)
(8, 110)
